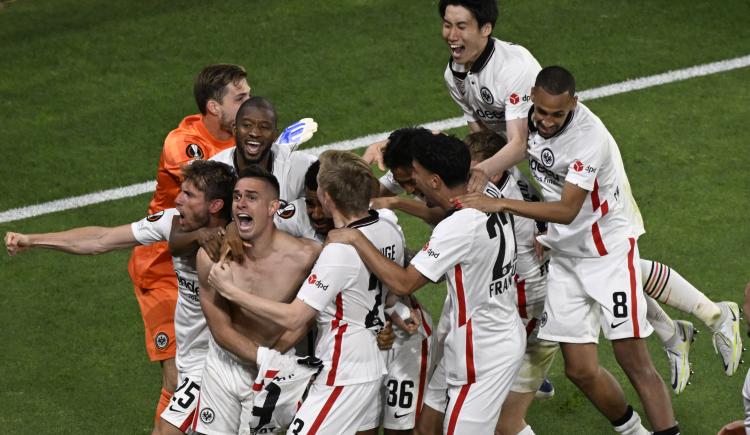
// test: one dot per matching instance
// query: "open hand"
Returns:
(479, 201)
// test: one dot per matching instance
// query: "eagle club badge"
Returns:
(287, 210)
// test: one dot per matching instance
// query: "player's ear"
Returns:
(533, 91)
(215, 206)
(213, 107)
(486, 30)
(435, 181)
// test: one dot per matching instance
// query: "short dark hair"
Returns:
(255, 171)
(212, 81)
(397, 153)
(556, 80)
(484, 11)
(260, 103)
(445, 156)
(485, 144)
(311, 176)
(214, 179)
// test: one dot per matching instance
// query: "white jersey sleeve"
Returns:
(587, 159)
(155, 227)
(390, 183)
(447, 246)
(333, 272)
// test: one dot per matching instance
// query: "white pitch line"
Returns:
(446, 124)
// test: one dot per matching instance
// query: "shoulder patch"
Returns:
(287, 210)
(155, 217)
(194, 151)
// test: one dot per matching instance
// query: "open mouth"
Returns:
(244, 221)
(252, 147)
(457, 50)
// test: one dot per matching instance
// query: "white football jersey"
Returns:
(497, 87)
(289, 168)
(293, 219)
(584, 153)
(190, 329)
(477, 254)
(350, 303)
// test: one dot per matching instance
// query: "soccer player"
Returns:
(476, 253)
(239, 337)
(218, 90)
(345, 299)
(255, 133)
(593, 280)
(204, 201)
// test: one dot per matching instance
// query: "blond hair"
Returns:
(347, 179)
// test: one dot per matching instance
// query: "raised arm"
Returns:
(218, 317)
(431, 215)
(81, 241)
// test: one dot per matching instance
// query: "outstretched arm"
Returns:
(82, 241)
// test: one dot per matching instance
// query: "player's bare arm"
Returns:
(431, 215)
(563, 211)
(186, 243)
(401, 281)
(374, 153)
(81, 241)
(295, 315)
(510, 155)
(218, 315)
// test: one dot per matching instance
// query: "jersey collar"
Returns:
(460, 72)
(533, 129)
(371, 218)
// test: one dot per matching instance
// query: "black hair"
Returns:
(255, 171)
(397, 153)
(556, 80)
(311, 176)
(484, 11)
(446, 156)
(260, 103)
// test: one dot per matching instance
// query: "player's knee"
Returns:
(581, 374)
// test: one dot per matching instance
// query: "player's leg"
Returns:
(676, 336)
(157, 310)
(179, 415)
(430, 420)
(513, 414)
(669, 287)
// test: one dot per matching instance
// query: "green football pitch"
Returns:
(89, 89)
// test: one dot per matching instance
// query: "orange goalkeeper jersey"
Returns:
(151, 266)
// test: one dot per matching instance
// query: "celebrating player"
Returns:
(203, 201)
(226, 405)
(593, 277)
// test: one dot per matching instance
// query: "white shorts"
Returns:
(279, 391)
(340, 410)
(226, 393)
(746, 399)
(586, 295)
(182, 407)
(409, 363)
(474, 408)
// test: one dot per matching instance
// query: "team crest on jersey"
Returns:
(287, 210)
(155, 217)
(543, 320)
(207, 415)
(487, 95)
(194, 151)
(548, 157)
(161, 340)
